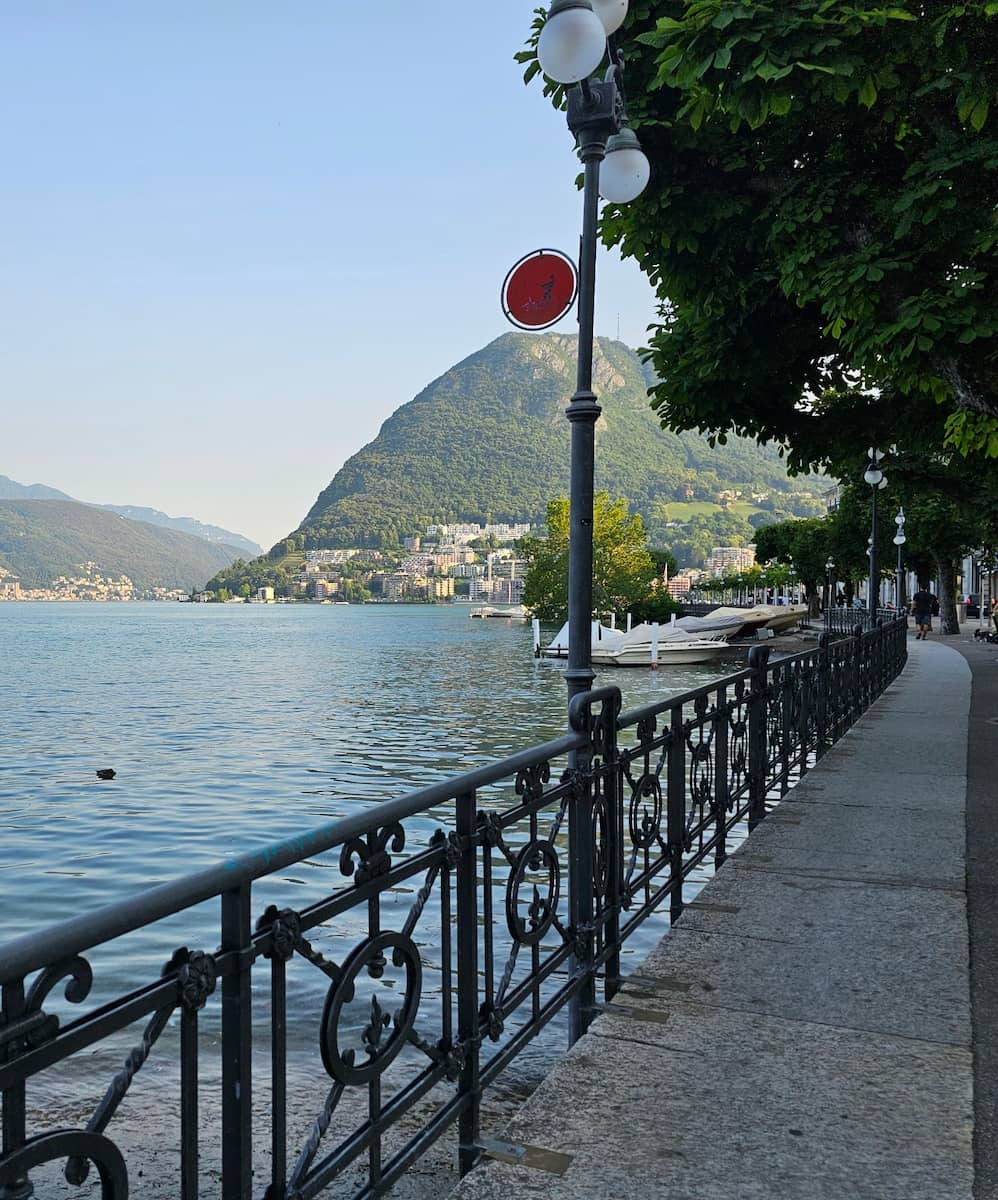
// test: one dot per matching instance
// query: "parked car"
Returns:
(972, 604)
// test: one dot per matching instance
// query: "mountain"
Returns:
(43, 539)
(10, 489)
(488, 441)
(210, 533)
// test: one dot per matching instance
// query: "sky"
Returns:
(236, 236)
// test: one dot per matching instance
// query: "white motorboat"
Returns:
(645, 645)
(514, 612)
(672, 650)
(741, 622)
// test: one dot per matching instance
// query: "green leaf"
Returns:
(868, 92)
(780, 105)
(722, 57)
(979, 114)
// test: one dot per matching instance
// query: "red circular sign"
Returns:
(540, 289)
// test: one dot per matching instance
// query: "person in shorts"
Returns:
(922, 604)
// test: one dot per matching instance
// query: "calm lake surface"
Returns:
(232, 726)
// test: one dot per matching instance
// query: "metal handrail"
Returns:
(545, 886)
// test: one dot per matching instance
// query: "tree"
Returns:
(665, 563)
(820, 215)
(623, 569)
(806, 543)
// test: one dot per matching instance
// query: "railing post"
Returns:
(469, 1084)
(580, 886)
(857, 675)
(822, 697)
(613, 794)
(758, 665)
(676, 811)
(237, 1048)
(14, 1119)
(787, 683)
(721, 782)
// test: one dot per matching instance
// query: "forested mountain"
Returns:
(196, 528)
(488, 441)
(10, 489)
(43, 539)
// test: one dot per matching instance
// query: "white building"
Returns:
(731, 558)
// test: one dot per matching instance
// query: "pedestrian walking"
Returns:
(923, 604)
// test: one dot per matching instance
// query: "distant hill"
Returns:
(10, 489)
(210, 533)
(488, 441)
(43, 539)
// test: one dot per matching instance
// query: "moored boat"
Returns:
(645, 645)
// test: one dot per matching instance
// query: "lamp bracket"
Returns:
(596, 110)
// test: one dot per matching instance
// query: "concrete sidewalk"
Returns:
(805, 1030)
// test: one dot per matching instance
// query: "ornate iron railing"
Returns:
(490, 903)
(846, 620)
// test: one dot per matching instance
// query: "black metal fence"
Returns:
(515, 886)
(846, 620)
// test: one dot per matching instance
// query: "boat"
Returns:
(643, 646)
(672, 650)
(515, 612)
(743, 622)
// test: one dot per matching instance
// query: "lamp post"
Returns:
(899, 541)
(874, 476)
(829, 602)
(573, 43)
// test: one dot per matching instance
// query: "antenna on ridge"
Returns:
(618, 327)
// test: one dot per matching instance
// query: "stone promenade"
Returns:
(806, 1030)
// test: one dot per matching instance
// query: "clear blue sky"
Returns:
(235, 237)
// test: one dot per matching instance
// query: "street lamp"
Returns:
(572, 44)
(899, 541)
(874, 476)
(829, 568)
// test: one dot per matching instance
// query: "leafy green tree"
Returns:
(806, 543)
(658, 606)
(665, 562)
(821, 212)
(623, 569)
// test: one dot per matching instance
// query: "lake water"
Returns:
(232, 726)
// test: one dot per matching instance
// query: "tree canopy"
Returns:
(623, 569)
(820, 224)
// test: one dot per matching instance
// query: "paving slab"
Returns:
(744, 1107)
(880, 788)
(914, 847)
(804, 1030)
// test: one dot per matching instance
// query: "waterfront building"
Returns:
(731, 558)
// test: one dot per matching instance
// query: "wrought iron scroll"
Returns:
(533, 898)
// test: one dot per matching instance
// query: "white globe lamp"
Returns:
(611, 13)
(625, 169)
(572, 42)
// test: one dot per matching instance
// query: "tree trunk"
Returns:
(946, 578)
(813, 597)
